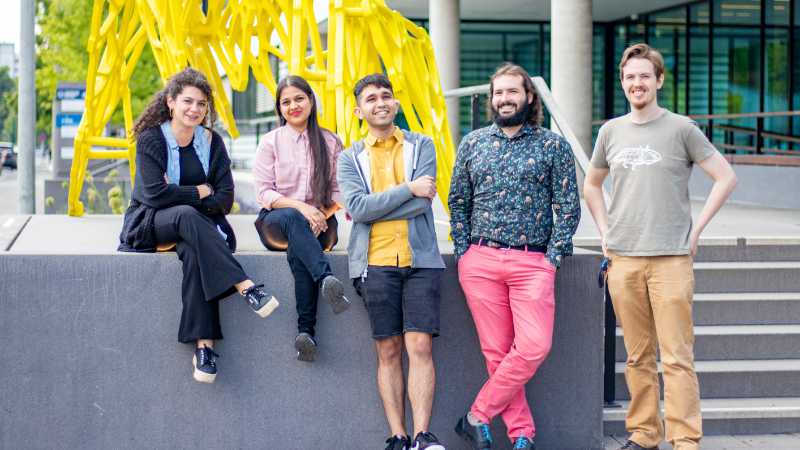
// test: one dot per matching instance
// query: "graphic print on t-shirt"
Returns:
(632, 157)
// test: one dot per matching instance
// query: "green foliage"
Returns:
(8, 106)
(62, 56)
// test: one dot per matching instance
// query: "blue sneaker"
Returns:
(478, 436)
(523, 443)
(205, 365)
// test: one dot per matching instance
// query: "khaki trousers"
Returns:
(652, 297)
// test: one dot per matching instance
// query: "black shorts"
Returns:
(401, 299)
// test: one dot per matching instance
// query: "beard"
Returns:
(518, 118)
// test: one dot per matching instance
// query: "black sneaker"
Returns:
(261, 302)
(425, 440)
(398, 443)
(630, 445)
(523, 443)
(306, 347)
(205, 365)
(332, 290)
(479, 437)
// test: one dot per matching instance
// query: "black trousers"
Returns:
(209, 269)
(287, 229)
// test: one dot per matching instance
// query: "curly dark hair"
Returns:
(321, 179)
(157, 111)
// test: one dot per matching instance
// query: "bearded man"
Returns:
(514, 207)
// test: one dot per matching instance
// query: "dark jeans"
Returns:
(287, 229)
(209, 269)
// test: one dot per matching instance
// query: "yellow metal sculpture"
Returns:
(364, 36)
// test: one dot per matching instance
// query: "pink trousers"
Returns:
(511, 296)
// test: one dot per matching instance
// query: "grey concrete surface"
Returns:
(746, 442)
(94, 363)
(10, 227)
(758, 185)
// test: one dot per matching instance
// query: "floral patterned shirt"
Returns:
(519, 190)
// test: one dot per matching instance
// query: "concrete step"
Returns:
(735, 277)
(729, 416)
(738, 342)
(747, 308)
(735, 378)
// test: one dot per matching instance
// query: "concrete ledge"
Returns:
(93, 362)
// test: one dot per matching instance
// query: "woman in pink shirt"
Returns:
(295, 181)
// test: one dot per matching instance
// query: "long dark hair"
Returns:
(535, 108)
(320, 157)
(157, 112)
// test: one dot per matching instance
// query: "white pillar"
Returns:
(26, 111)
(445, 31)
(571, 65)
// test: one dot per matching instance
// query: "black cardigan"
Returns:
(151, 192)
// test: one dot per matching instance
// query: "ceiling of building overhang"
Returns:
(602, 10)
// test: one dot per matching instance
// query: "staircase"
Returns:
(747, 340)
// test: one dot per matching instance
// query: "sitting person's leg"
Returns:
(306, 248)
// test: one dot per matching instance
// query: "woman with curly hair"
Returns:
(183, 190)
(295, 181)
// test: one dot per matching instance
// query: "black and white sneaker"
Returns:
(262, 303)
(398, 443)
(332, 290)
(205, 365)
(425, 440)
(306, 347)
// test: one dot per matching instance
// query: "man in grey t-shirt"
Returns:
(648, 235)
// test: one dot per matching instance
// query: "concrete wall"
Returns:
(770, 186)
(91, 361)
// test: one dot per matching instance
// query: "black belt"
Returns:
(495, 244)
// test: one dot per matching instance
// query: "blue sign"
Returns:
(70, 93)
(68, 120)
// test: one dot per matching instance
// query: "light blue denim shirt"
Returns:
(202, 146)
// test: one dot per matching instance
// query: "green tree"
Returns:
(62, 56)
(8, 106)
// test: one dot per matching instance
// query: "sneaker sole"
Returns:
(201, 376)
(334, 293)
(430, 447)
(268, 308)
(306, 350)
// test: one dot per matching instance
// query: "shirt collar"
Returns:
(526, 129)
(370, 140)
(294, 135)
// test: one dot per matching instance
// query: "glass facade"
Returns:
(721, 57)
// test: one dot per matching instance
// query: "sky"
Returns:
(9, 22)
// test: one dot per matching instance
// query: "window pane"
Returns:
(699, 13)
(669, 37)
(746, 12)
(620, 42)
(737, 61)
(698, 71)
(777, 85)
(777, 12)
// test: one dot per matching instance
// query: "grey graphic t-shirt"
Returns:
(650, 165)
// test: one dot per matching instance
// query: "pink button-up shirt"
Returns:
(283, 166)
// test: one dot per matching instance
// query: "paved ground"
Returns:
(761, 441)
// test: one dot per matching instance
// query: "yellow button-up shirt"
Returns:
(388, 241)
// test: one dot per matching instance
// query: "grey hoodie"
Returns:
(366, 207)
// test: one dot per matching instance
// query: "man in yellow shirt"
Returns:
(388, 183)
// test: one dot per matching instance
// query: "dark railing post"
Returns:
(759, 138)
(476, 114)
(610, 356)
